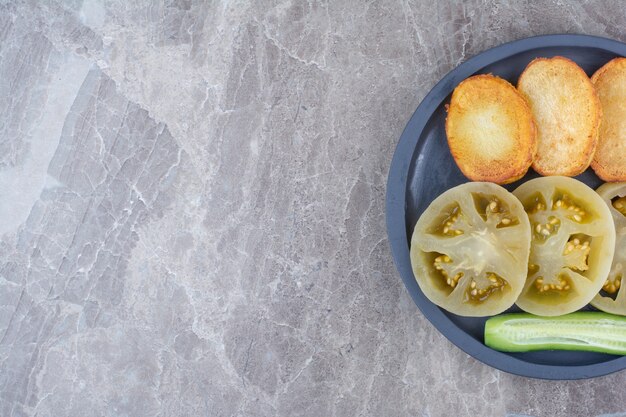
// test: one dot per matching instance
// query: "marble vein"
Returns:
(192, 209)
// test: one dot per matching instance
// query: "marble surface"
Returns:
(192, 209)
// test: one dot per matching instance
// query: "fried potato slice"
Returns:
(567, 111)
(609, 161)
(490, 130)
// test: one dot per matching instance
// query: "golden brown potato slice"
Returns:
(490, 129)
(567, 112)
(609, 161)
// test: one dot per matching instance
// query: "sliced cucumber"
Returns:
(585, 330)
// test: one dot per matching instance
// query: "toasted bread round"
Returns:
(609, 161)
(567, 112)
(490, 130)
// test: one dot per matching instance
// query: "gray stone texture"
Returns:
(192, 209)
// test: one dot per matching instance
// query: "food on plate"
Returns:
(567, 112)
(469, 249)
(490, 130)
(612, 298)
(585, 330)
(572, 245)
(609, 161)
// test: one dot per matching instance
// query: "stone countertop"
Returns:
(192, 209)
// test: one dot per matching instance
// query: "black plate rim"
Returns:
(395, 208)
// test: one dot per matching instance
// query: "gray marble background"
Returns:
(192, 209)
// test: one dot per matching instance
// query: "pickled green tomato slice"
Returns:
(572, 245)
(469, 249)
(612, 297)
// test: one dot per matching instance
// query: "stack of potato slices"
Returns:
(557, 120)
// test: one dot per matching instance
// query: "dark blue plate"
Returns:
(422, 168)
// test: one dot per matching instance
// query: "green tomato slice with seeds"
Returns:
(612, 297)
(572, 245)
(469, 249)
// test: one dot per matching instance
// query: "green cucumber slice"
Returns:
(585, 330)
